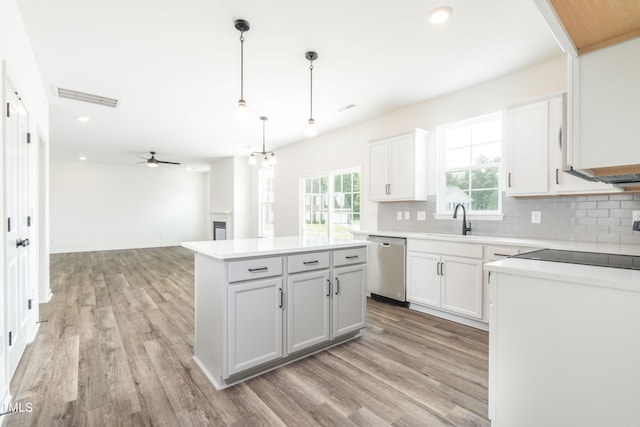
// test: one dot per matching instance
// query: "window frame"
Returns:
(442, 211)
(262, 202)
(330, 196)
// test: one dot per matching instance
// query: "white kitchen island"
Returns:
(263, 303)
(563, 344)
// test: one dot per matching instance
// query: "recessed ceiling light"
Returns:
(83, 158)
(440, 14)
(82, 119)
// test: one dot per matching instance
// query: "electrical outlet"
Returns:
(536, 217)
(421, 216)
(399, 215)
(407, 215)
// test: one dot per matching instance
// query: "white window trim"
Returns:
(496, 215)
(260, 202)
(330, 174)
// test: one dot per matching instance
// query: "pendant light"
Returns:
(268, 158)
(312, 129)
(242, 26)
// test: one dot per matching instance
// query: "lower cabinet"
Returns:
(445, 282)
(308, 307)
(324, 305)
(255, 324)
(437, 279)
(349, 299)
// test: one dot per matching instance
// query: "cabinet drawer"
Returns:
(257, 268)
(349, 256)
(468, 250)
(307, 262)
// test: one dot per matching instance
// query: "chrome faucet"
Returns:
(465, 229)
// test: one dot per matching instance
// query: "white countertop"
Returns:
(611, 248)
(617, 278)
(246, 248)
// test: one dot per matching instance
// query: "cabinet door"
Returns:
(349, 299)
(462, 286)
(423, 281)
(379, 170)
(562, 182)
(308, 297)
(527, 141)
(254, 324)
(401, 167)
(607, 107)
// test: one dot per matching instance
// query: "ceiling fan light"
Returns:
(152, 164)
(440, 14)
(272, 159)
(265, 161)
(252, 159)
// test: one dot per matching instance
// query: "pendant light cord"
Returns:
(242, 65)
(311, 90)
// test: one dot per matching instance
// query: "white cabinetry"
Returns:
(255, 324)
(526, 130)
(446, 276)
(254, 317)
(258, 313)
(533, 153)
(308, 300)
(603, 107)
(398, 167)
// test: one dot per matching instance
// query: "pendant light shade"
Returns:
(312, 129)
(242, 26)
(268, 157)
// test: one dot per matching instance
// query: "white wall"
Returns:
(348, 147)
(101, 207)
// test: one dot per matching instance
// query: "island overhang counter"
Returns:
(263, 303)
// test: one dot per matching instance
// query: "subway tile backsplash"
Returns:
(598, 218)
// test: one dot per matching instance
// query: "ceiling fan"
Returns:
(152, 162)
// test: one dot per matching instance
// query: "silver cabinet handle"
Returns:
(337, 286)
(281, 298)
(499, 254)
(509, 180)
(557, 180)
(315, 261)
(328, 287)
(351, 257)
(258, 269)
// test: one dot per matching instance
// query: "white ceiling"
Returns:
(175, 67)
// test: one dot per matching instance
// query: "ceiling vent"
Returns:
(87, 97)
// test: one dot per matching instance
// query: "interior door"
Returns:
(17, 208)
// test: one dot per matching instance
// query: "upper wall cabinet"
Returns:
(533, 136)
(398, 167)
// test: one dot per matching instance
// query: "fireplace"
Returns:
(219, 230)
(221, 225)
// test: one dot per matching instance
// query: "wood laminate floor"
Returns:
(117, 348)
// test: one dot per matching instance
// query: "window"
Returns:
(331, 204)
(470, 162)
(265, 177)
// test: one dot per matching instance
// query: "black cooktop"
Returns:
(586, 258)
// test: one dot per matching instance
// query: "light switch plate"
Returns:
(407, 215)
(399, 215)
(536, 217)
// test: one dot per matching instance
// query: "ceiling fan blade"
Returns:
(142, 157)
(142, 162)
(168, 163)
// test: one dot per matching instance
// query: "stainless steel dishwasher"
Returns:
(386, 269)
